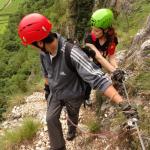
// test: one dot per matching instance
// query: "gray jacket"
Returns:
(65, 84)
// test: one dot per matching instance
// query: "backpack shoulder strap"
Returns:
(68, 48)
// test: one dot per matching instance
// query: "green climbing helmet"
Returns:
(102, 18)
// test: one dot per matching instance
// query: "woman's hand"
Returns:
(101, 59)
(92, 47)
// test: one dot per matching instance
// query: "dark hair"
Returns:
(49, 39)
(111, 34)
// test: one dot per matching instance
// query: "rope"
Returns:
(101, 135)
(104, 134)
(126, 93)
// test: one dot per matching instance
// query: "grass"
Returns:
(144, 120)
(142, 80)
(3, 23)
(138, 83)
(91, 122)
(25, 133)
(136, 18)
(119, 119)
(3, 27)
(94, 126)
(18, 99)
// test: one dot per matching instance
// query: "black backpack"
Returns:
(68, 48)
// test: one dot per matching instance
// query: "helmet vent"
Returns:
(24, 39)
(29, 24)
(44, 29)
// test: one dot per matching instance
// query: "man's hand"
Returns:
(118, 75)
(47, 91)
(129, 111)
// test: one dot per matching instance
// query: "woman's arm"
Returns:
(112, 60)
(101, 59)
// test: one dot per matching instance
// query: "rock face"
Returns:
(140, 47)
(116, 5)
(79, 13)
(143, 34)
(36, 107)
(145, 45)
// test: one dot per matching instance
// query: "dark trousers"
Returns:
(53, 115)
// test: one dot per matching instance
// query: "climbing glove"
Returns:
(47, 91)
(118, 75)
(128, 110)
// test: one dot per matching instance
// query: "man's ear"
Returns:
(40, 44)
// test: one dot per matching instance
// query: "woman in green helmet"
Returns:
(103, 41)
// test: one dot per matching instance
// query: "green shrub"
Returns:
(13, 138)
(94, 126)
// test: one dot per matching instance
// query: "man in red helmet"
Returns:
(67, 87)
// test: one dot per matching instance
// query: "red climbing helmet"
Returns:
(34, 27)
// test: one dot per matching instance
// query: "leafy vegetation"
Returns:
(19, 65)
(12, 138)
(127, 24)
(141, 81)
(94, 126)
(7, 7)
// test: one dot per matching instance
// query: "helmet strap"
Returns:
(44, 49)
